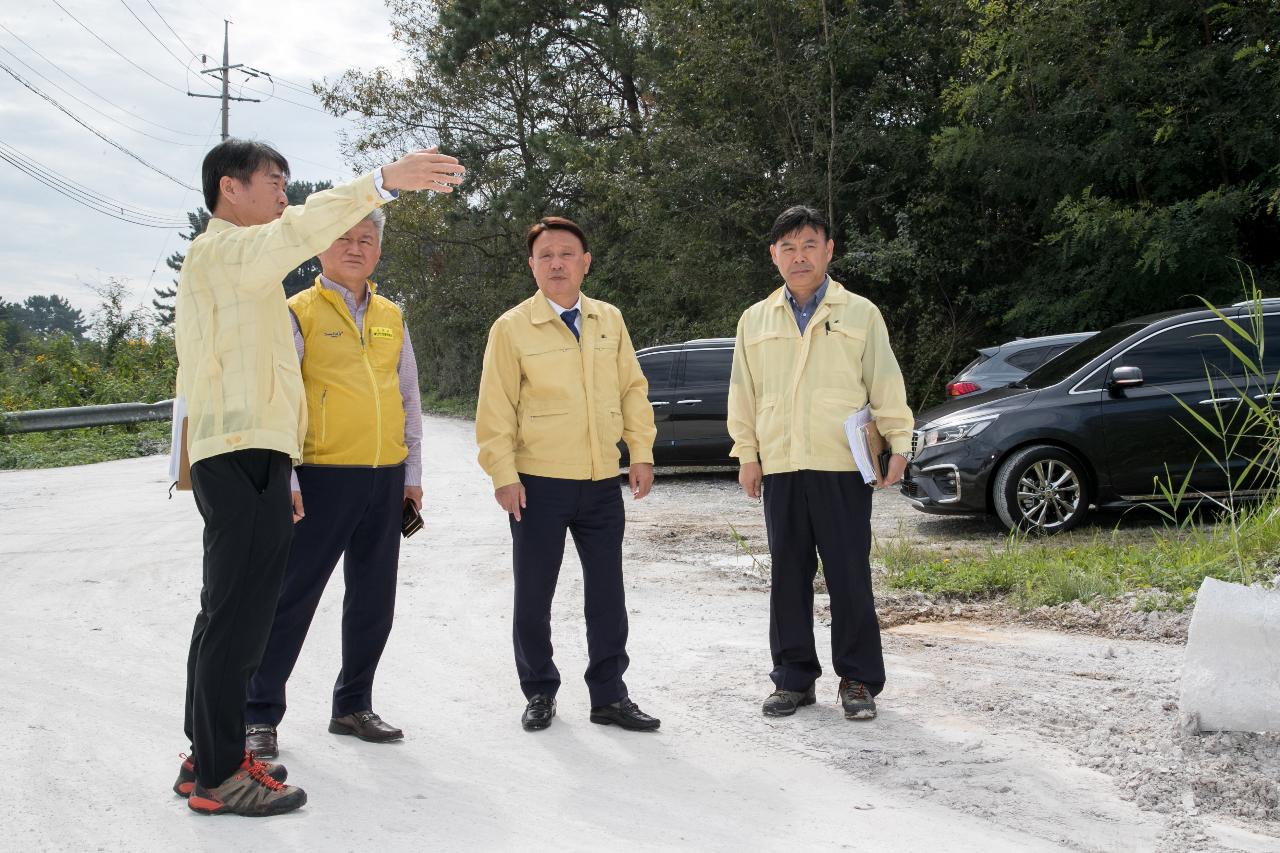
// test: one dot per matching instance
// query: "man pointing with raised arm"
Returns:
(246, 417)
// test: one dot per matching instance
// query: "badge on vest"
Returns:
(336, 334)
(381, 332)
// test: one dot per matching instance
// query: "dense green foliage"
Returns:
(41, 316)
(123, 360)
(993, 168)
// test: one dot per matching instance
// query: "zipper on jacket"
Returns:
(377, 395)
(324, 417)
(341, 308)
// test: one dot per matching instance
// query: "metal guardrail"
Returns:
(77, 417)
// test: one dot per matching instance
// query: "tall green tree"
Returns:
(991, 168)
(45, 316)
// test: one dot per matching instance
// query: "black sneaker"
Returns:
(783, 703)
(538, 713)
(857, 701)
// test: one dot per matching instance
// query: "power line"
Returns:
(91, 129)
(83, 195)
(75, 80)
(113, 50)
(143, 24)
(185, 64)
(172, 30)
(95, 109)
(80, 190)
(272, 96)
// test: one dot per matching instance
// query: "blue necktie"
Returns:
(568, 317)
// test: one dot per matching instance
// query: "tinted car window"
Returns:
(971, 365)
(1184, 353)
(657, 369)
(1028, 359)
(1271, 334)
(707, 367)
(1076, 357)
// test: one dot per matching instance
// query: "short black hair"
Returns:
(795, 218)
(239, 159)
(554, 223)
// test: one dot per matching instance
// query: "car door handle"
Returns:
(1217, 401)
(687, 402)
(657, 403)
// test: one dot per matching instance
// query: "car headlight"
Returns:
(959, 431)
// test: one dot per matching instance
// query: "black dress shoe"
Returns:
(260, 739)
(538, 713)
(625, 713)
(365, 725)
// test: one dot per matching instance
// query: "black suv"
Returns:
(689, 392)
(1100, 424)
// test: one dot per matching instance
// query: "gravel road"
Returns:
(992, 735)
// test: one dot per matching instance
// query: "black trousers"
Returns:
(244, 499)
(829, 511)
(592, 513)
(351, 511)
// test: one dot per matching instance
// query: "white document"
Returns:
(857, 437)
(175, 438)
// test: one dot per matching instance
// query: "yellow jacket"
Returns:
(789, 394)
(355, 414)
(237, 367)
(554, 407)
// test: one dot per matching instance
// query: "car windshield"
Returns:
(1059, 368)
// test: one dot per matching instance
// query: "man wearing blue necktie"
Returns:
(560, 387)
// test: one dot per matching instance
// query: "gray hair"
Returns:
(379, 219)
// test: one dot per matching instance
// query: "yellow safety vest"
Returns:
(355, 415)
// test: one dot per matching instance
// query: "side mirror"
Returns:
(1125, 377)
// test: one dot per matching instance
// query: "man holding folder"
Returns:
(806, 357)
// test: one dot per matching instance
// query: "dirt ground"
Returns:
(1094, 687)
(995, 733)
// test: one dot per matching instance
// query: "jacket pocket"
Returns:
(771, 430)
(852, 342)
(545, 428)
(831, 407)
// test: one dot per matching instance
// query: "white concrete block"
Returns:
(1231, 672)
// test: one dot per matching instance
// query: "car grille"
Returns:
(916, 437)
(910, 489)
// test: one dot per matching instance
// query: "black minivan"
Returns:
(689, 392)
(1103, 424)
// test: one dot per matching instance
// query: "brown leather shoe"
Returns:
(365, 725)
(260, 739)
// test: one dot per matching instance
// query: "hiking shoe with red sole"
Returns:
(187, 776)
(249, 792)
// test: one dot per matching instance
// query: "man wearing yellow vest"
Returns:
(239, 380)
(806, 357)
(361, 459)
(560, 386)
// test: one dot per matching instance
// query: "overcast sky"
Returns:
(50, 244)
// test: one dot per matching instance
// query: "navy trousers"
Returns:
(829, 511)
(243, 497)
(592, 513)
(351, 511)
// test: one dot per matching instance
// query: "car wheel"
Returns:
(1041, 489)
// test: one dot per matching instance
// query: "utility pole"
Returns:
(225, 70)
